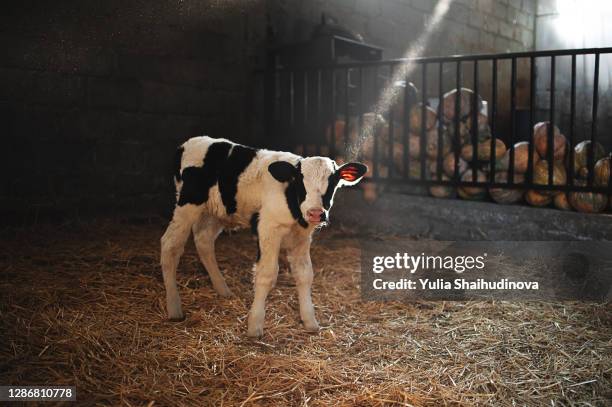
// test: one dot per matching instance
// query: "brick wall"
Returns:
(95, 96)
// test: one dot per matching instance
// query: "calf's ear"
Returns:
(282, 171)
(351, 173)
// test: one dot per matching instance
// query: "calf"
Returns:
(281, 196)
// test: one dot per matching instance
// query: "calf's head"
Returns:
(312, 184)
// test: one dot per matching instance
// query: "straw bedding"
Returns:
(83, 305)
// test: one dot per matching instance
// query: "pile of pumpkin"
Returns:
(580, 201)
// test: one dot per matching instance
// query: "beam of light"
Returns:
(390, 93)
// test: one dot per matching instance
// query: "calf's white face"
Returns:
(312, 184)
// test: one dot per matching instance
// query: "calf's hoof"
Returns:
(312, 326)
(255, 332)
(176, 318)
(224, 292)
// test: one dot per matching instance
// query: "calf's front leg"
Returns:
(266, 271)
(301, 269)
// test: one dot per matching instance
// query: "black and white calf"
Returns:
(281, 196)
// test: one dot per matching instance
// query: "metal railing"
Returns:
(304, 103)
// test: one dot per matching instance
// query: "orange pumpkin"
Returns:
(587, 202)
(534, 198)
(521, 158)
(581, 154)
(443, 191)
(449, 165)
(484, 150)
(370, 120)
(431, 144)
(507, 195)
(540, 139)
(540, 176)
(466, 97)
(414, 169)
(416, 114)
(469, 192)
(582, 173)
(561, 202)
(602, 172)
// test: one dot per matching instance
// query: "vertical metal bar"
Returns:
(279, 103)
(305, 97)
(347, 117)
(291, 100)
(512, 120)
(440, 122)
(360, 108)
(570, 178)
(291, 105)
(360, 104)
(319, 128)
(456, 142)
(493, 115)
(423, 141)
(391, 136)
(270, 96)
(375, 169)
(406, 130)
(305, 133)
(551, 124)
(334, 96)
(610, 175)
(532, 87)
(475, 113)
(591, 157)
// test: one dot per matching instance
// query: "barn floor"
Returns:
(82, 305)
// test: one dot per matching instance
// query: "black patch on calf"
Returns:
(254, 224)
(197, 181)
(178, 156)
(332, 183)
(295, 194)
(282, 171)
(238, 160)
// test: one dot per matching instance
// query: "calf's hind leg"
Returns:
(205, 232)
(172, 247)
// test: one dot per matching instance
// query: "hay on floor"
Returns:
(84, 306)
